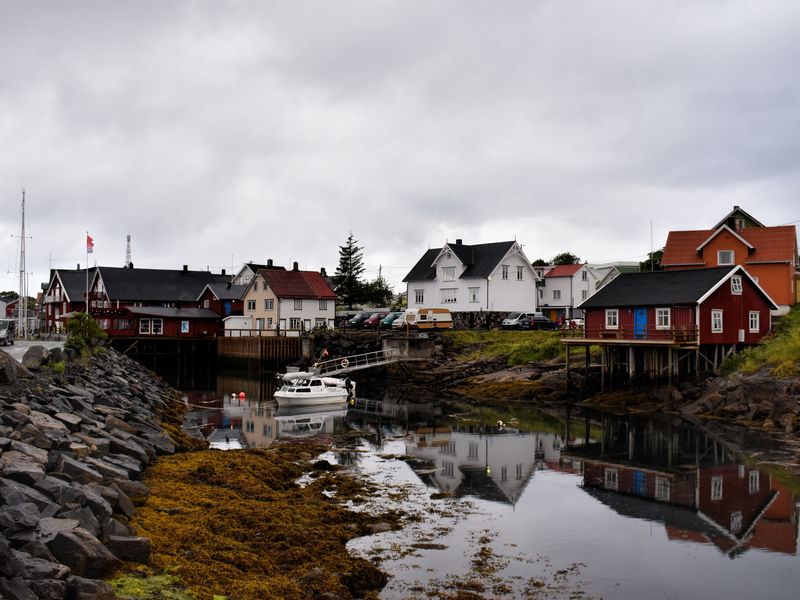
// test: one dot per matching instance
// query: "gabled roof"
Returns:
(73, 282)
(155, 285)
(725, 228)
(664, 288)
(225, 291)
(297, 284)
(563, 271)
(750, 221)
(480, 260)
(770, 244)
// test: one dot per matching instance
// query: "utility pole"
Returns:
(22, 308)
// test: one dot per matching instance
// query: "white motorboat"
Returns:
(308, 389)
(306, 421)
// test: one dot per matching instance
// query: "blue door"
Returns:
(640, 322)
(639, 483)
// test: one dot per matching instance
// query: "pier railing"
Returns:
(676, 335)
(345, 364)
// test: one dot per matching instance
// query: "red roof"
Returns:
(298, 284)
(772, 244)
(563, 271)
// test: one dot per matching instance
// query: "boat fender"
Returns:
(344, 363)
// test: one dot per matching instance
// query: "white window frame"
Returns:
(721, 253)
(449, 295)
(295, 323)
(323, 305)
(663, 488)
(251, 305)
(474, 292)
(753, 482)
(717, 320)
(448, 273)
(556, 294)
(754, 321)
(269, 304)
(298, 304)
(612, 318)
(716, 488)
(584, 276)
(206, 303)
(663, 318)
(520, 271)
(504, 271)
(419, 296)
(584, 294)
(157, 327)
(736, 285)
(736, 521)
(611, 479)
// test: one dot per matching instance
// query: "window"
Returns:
(584, 294)
(255, 285)
(519, 273)
(736, 285)
(662, 318)
(447, 469)
(716, 320)
(323, 305)
(473, 294)
(755, 321)
(269, 322)
(753, 480)
(295, 323)
(266, 305)
(736, 521)
(419, 296)
(725, 257)
(251, 305)
(319, 323)
(504, 269)
(584, 276)
(556, 294)
(663, 486)
(206, 303)
(144, 326)
(611, 479)
(504, 473)
(448, 273)
(184, 326)
(519, 471)
(448, 295)
(541, 293)
(298, 304)
(269, 304)
(716, 488)
(158, 326)
(259, 323)
(612, 318)
(473, 451)
(151, 326)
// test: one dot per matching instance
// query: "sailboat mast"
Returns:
(22, 306)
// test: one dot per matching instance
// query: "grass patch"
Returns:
(518, 347)
(144, 585)
(780, 351)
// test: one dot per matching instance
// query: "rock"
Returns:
(18, 517)
(49, 589)
(49, 528)
(34, 357)
(788, 422)
(85, 518)
(8, 563)
(80, 588)
(35, 454)
(22, 470)
(79, 471)
(72, 422)
(8, 369)
(48, 425)
(134, 549)
(13, 492)
(83, 553)
(16, 589)
(37, 568)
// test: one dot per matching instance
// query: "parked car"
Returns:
(389, 319)
(373, 321)
(512, 320)
(537, 322)
(358, 321)
(7, 327)
(400, 322)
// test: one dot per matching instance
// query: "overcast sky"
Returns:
(222, 132)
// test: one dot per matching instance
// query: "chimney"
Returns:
(78, 268)
(323, 272)
(269, 263)
(295, 266)
(185, 268)
(223, 272)
(130, 265)
(458, 241)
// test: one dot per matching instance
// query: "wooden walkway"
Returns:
(348, 364)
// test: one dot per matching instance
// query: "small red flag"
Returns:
(89, 244)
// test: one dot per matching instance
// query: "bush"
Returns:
(84, 335)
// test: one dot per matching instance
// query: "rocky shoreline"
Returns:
(75, 437)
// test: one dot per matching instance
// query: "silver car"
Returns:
(7, 332)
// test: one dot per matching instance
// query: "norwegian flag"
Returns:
(324, 354)
(89, 244)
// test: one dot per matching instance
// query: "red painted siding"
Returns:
(735, 314)
(680, 317)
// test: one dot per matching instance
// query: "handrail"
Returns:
(356, 361)
(686, 333)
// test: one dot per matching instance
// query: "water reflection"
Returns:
(694, 484)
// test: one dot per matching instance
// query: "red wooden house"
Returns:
(65, 294)
(225, 299)
(662, 322)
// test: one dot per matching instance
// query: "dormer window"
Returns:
(725, 257)
(448, 273)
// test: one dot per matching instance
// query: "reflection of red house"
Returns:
(676, 488)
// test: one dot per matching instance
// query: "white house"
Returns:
(248, 271)
(471, 278)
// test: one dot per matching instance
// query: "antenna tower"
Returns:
(128, 253)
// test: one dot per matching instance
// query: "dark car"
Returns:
(387, 321)
(537, 322)
(374, 320)
(358, 321)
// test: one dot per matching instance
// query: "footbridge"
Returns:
(356, 362)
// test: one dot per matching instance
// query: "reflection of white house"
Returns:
(471, 278)
(494, 467)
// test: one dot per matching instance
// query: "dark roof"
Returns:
(737, 211)
(657, 288)
(480, 259)
(74, 283)
(226, 291)
(298, 284)
(156, 285)
(181, 313)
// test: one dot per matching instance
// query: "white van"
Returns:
(512, 320)
(428, 318)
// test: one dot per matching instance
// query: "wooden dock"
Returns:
(278, 350)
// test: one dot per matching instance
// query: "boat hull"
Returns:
(286, 398)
